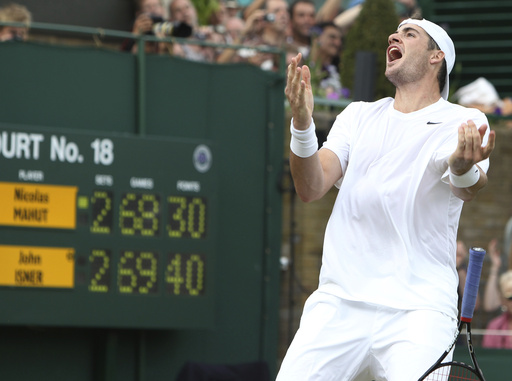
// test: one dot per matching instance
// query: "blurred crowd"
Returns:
(291, 27)
(248, 25)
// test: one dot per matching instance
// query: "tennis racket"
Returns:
(453, 370)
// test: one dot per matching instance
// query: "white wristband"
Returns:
(466, 180)
(304, 143)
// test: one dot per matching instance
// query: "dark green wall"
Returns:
(240, 109)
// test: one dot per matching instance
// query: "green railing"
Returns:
(100, 34)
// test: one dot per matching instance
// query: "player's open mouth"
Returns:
(394, 54)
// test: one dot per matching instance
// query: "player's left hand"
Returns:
(469, 147)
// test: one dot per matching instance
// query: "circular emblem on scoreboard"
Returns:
(202, 158)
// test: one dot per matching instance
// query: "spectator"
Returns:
(234, 29)
(183, 11)
(329, 10)
(493, 338)
(325, 60)
(350, 10)
(15, 13)
(251, 27)
(218, 18)
(217, 30)
(147, 12)
(492, 297)
(266, 27)
(252, 7)
(151, 8)
(302, 20)
(233, 8)
(507, 242)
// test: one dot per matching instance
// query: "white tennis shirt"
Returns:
(391, 237)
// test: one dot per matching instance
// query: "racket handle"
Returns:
(476, 260)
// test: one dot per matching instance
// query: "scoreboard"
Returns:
(106, 230)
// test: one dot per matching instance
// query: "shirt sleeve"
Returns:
(340, 137)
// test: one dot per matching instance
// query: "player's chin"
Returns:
(389, 75)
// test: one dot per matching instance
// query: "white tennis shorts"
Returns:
(340, 340)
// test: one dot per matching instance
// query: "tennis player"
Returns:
(386, 305)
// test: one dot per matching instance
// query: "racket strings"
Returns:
(453, 373)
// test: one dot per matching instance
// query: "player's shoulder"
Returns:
(455, 108)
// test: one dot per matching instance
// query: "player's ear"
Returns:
(436, 56)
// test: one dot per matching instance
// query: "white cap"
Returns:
(444, 42)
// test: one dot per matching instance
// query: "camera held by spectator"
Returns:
(168, 28)
(269, 17)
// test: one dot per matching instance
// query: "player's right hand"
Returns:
(299, 93)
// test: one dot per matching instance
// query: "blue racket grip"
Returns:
(476, 260)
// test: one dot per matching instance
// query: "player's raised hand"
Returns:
(299, 93)
(469, 149)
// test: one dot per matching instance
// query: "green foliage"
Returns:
(205, 9)
(370, 31)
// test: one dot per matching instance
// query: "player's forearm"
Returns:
(308, 177)
(469, 193)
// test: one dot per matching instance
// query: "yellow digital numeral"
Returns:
(127, 214)
(173, 274)
(139, 214)
(196, 218)
(101, 202)
(186, 217)
(177, 223)
(100, 271)
(138, 272)
(148, 283)
(126, 278)
(185, 274)
(197, 262)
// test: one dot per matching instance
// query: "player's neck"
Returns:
(415, 97)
